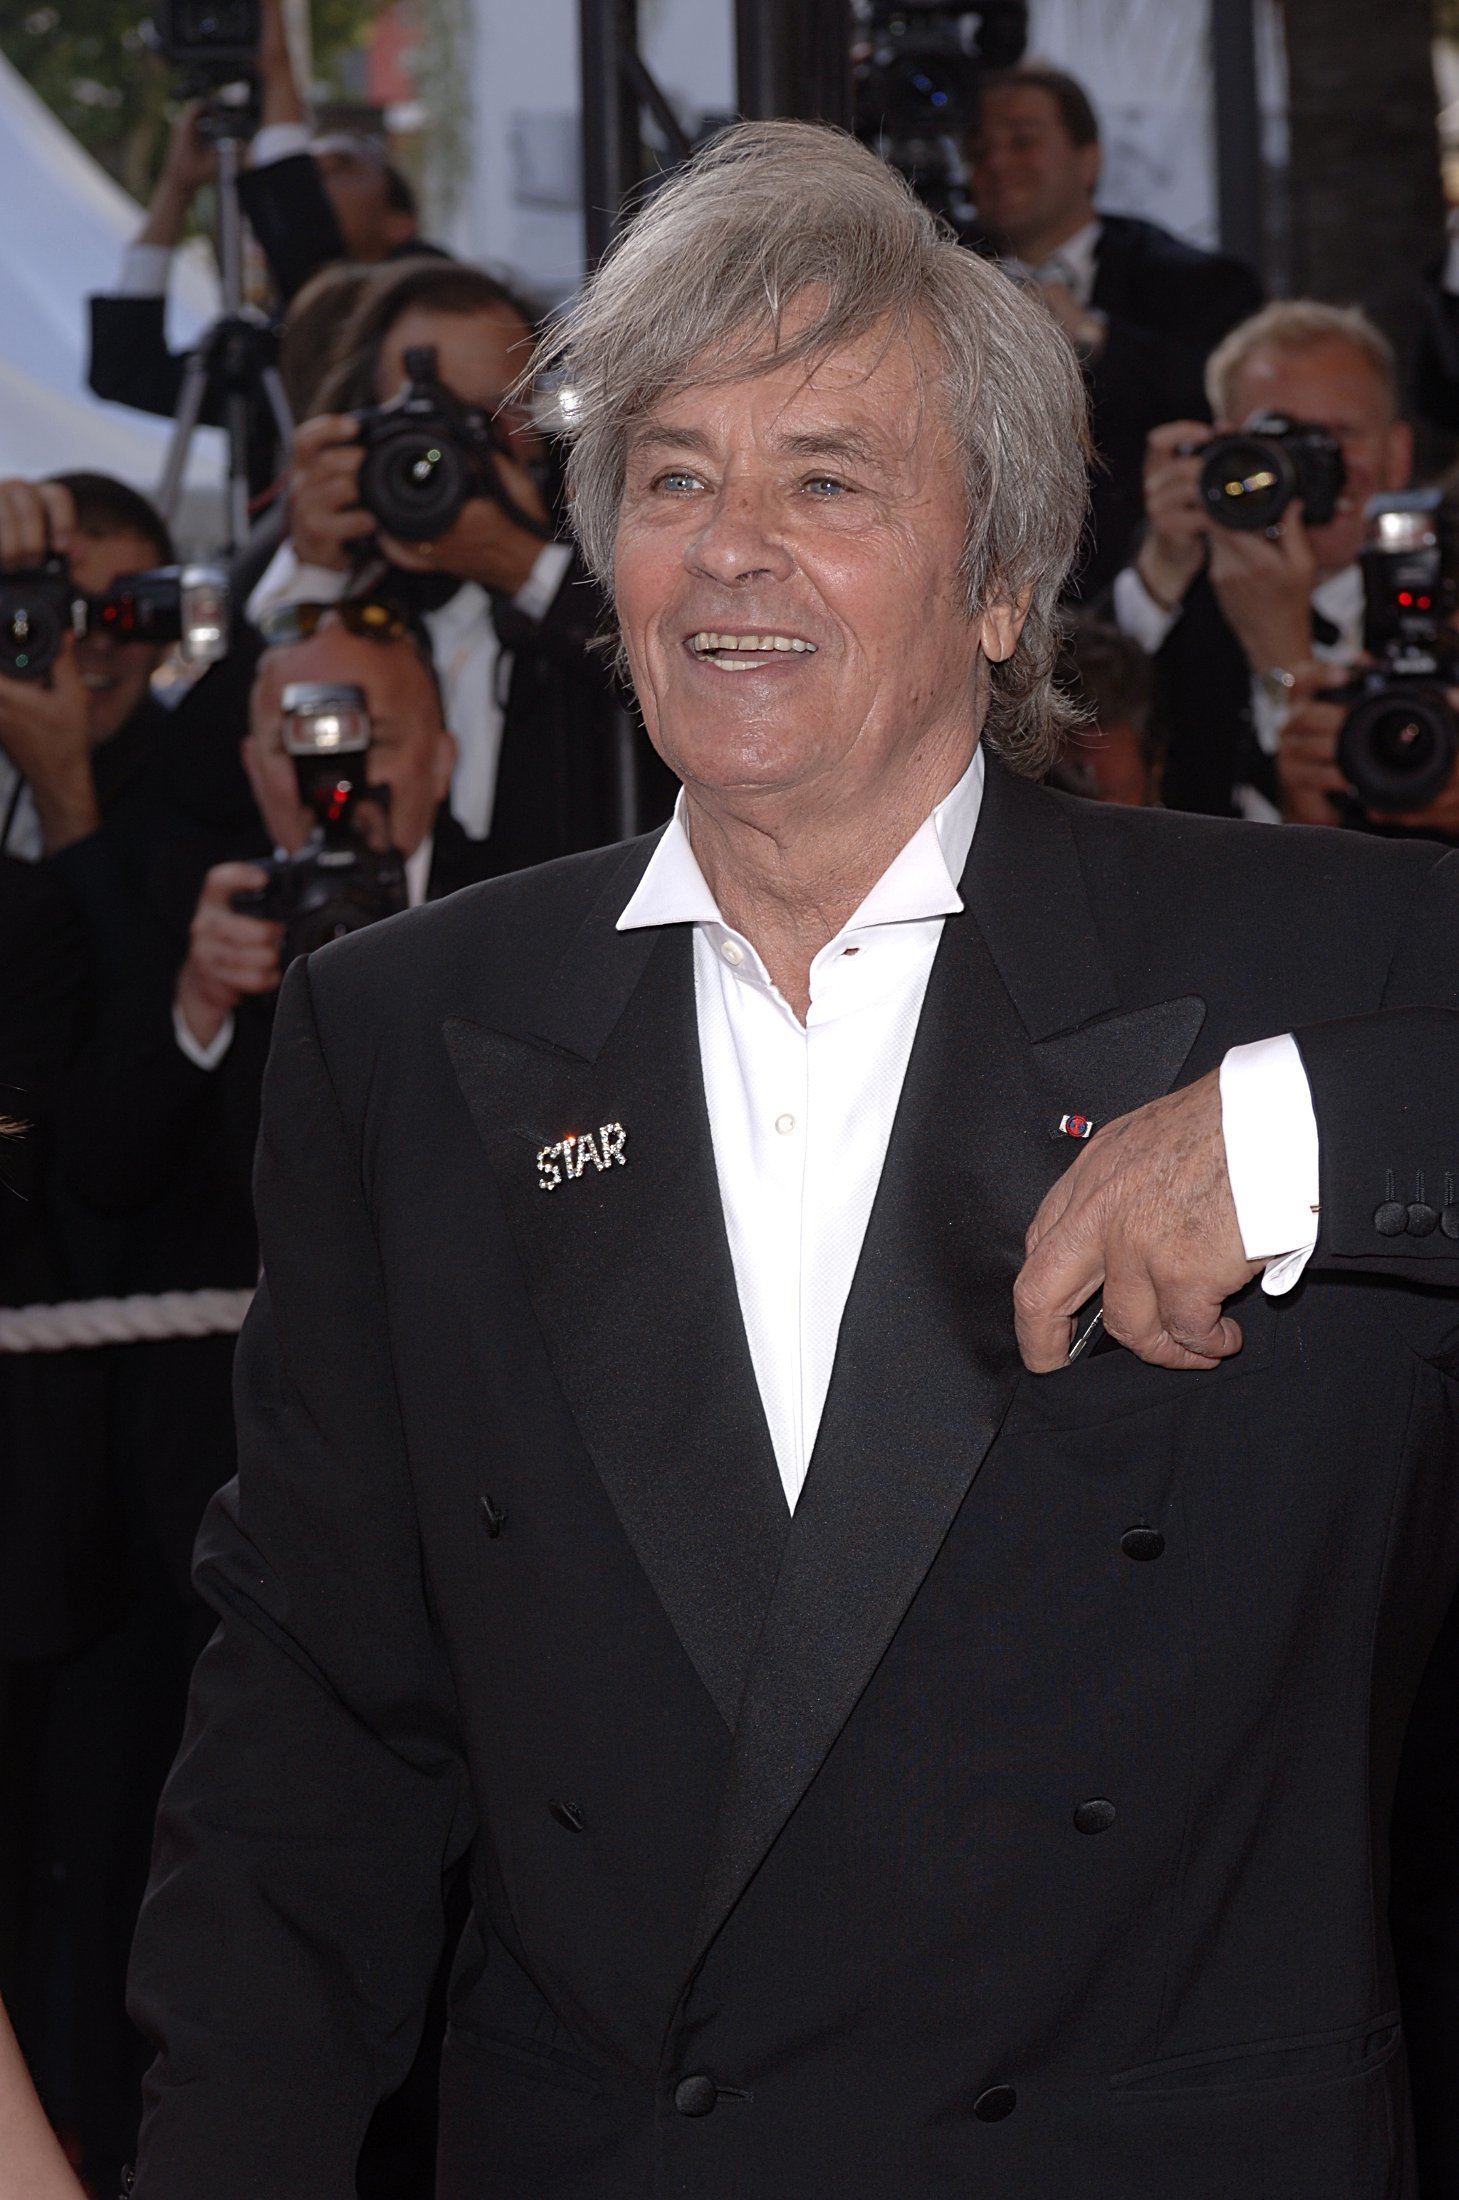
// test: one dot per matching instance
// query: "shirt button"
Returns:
(732, 952)
(785, 1124)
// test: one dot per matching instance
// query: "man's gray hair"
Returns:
(698, 288)
(1294, 325)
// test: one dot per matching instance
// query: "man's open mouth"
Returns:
(743, 652)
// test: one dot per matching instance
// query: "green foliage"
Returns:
(90, 63)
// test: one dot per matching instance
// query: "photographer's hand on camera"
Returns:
(229, 955)
(1264, 585)
(189, 164)
(485, 544)
(1173, 551)
(1307, 773)
(45, 724)
(325, 513)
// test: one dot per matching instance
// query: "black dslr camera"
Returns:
(1248, 479)
(1400, 740)
(185, 604)
(427, 454)
(336, 883)
(216, 40)
(38, 609)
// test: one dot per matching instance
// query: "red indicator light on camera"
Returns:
(1405, 598)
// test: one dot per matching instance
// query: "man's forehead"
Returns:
(870, 393)
(1017, 103)
(1331, 364)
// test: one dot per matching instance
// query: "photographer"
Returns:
(511, 614)
(310, 202)
(75, 740)
(1229, 613)
(1140, 305)
(157, 1152)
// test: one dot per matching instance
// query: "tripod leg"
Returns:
(278, 404)
(235, 414)
(189, 405)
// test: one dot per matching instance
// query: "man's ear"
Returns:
(447, 750)
(1398, 457)
(397, 228)
(1000, 623)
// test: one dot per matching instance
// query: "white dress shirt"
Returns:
(1073, 263)
(800, 1115)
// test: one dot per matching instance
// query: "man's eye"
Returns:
(826, 485)
(677, 481)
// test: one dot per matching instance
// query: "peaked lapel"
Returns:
(629, 1271)
(1020, 1024)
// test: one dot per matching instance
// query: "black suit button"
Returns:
(1142, 1543)
(568, 1814)
(1449, 1221)
(696, 2095)
(1095, 1816)
(1391, 1219)
(1422, 1219)
(999, 2101)
(493, 1517)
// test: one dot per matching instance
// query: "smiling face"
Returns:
(1032, 185)
(787, 578)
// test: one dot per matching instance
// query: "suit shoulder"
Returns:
(509, 932)
(1305, 888)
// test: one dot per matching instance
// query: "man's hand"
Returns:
(229, 954)
(36, 517)
(189, 163)
(485, 544)
(1146, 1211)
(1264, 588)
(45, 732)
(279, 101)
(1174, 548)
(325, 514)
(1307, 772)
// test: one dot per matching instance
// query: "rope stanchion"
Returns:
(144, 1318)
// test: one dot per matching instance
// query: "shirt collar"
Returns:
(921, 881)
(1072, 262)
(418, 872)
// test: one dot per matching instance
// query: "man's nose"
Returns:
(741, 538)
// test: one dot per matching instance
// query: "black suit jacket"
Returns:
(1168, 306)
(1013, 1819)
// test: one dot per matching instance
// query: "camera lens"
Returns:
(31, 627)
(1247, 481)
(415, 484)
(1398, 747)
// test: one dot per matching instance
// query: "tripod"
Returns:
(235, 355)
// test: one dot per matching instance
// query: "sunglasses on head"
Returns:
(364, 615)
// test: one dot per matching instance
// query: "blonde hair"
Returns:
(1298, 324)
(698, 288)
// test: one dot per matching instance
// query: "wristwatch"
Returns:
(1276, 684)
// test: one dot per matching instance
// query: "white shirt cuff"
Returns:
(1271, 1156)
(278, 141)
(1138, 615)
(144, 271)
(286, 580)
(535, 596)
(206, 1057)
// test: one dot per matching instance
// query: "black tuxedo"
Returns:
(1012, 1820)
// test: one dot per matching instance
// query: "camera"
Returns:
(38, 609)
(1400, 740)
(917, 68)
(212, 40)
(1248, 479)
(427, 454)
(182, 604)
(336, 883)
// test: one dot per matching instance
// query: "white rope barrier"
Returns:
(144, 1318)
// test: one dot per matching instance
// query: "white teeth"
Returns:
(763, 645)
